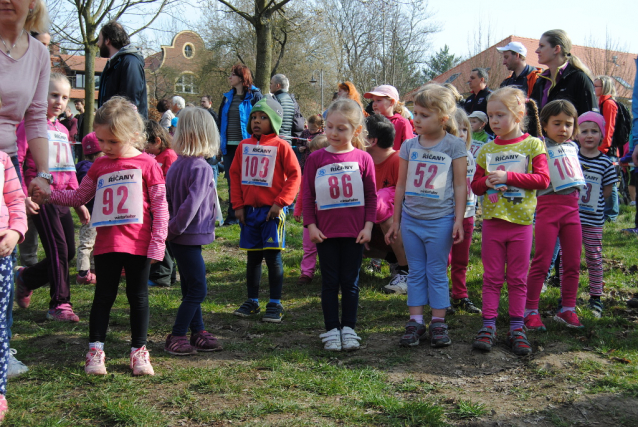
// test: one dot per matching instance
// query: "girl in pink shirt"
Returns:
(131, 216)
(385, 101)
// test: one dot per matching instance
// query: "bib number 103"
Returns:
(256, 166)
(108, 200)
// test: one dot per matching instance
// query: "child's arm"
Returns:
(370, 195)
(309, 197)
(399, 194)
(14, 200)
(199, 189)
(299, 204)
(74, 198)
(479, 183)
(159, 229)
(607, 189)
(459, 168)
(537, 180)
(292, 170)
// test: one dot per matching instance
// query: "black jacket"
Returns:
(124, 76)
(573, 85)
(478, 102)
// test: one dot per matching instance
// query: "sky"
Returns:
(583, 20)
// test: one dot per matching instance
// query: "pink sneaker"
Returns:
(141, 362)
(63, 313)
(89, 279)
(4, 406)
(569, 318)
(94, 364)
(23, 295)
(533, 322)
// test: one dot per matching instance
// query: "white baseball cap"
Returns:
(514, 47)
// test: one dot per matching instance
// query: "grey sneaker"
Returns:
(438, 335)
(274, 313)
(414, 331)
(249, 307)
(16, 367)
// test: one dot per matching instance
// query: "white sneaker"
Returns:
(331, 340)
(94, 364)
(141, 362)
(398, 285)
(15, 367)
(349, 339)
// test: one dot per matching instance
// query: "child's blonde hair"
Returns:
(608, 86)
(317, 143)
(59, 77)
(516, 101)
(351, 111)
(196, 134)
(439, 99)
(461, 119)
(459, 98)
(123, 121)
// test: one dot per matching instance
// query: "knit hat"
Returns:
(592, 116)
(90, 144)
(274, 111)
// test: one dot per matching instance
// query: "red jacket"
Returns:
(609, 111)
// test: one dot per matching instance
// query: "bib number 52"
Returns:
(420, 173)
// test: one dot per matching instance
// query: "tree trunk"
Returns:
(263, 64)
(90, 52)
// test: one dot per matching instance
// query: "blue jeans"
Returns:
(612, 209)
(228, 160)
(192, 271)
(275, 272)
(427, 245)
(340, 261)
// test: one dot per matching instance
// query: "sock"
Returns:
(96, 345)
(528, 311)
(403, 268)
(516, 323)
(254, 300)
(276, 301)
(438, 320)
(418, 318)
(564, 309)
(82, 272)
(489, 323)
(134, 349)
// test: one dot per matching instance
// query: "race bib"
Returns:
(590, 193)
(119, 199)
(509, 161)
(471, 170)
(475, 147)
(564, 167)
(258, 165)
(427, 173)
(60, 154)
(339, 185)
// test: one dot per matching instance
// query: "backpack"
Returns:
(622, 129)
(298, 121)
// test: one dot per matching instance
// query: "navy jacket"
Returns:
(124, 75)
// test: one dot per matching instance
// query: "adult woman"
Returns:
(24, 58)
(233, 119)
(347, 90)
(164, 107)
(566, 76)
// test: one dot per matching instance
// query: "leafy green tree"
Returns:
(440, 62)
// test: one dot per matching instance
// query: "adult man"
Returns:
(279, 85)
(206, 104)
(177, 105)
(123, 74)
(478, 100)
(79, 106)
(523, 76)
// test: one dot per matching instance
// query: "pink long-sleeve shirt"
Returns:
(12, 212)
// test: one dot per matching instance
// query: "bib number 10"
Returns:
(420, 173)
(335, 188)
(108, 200)
(567, 166)
(255, 167)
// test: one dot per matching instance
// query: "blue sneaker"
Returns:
(274, 313)
(249, 307)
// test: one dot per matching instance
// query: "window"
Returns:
(452, 77)
(79, 80)
(186, 84)
(188, 50)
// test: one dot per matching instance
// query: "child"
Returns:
(85, 261)
(432, 180)
(54, 223)
(131, 214)
(460, 254)
(509, 169)
(557, 216)
(190, 190)
(478, 120)
(339, 209)
(600, 176)
(309, 261)
(315, 128)
(386, 102)
(13, 227)
(265, 177)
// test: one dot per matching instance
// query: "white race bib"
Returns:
(471, 170)
(564, 167)
(119, 199)
(60, 154)
(427, 173)
(475, 147)
(590, 193)
(339, 185)
(509, 161)
(258, 165)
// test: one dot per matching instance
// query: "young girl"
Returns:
(131, 215)
(600, 177)
(339, 210)
(309, 261)
(509, 169)
(190, 190)
(385, 101)
(315, 128)
(460, 254)
(557, 216)
(54, 223)
(430, 201)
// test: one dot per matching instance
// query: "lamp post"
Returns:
(313, 82)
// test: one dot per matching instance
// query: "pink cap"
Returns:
(383, 90)
(592, 116)
(90, 144)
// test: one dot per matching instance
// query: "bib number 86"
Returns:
(335, 189)
(108, 200)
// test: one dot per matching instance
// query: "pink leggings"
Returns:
(556, 217)
(505, 243)
(459, 259)
(309, 260)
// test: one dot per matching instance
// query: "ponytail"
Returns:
(560, 38)
(532, 123)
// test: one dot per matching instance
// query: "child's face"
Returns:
(426, 121)
(112, 147)
(313, 128)
(339, 131)
(383, 105)
(260, 123)
(463, 132)
(59, 92)
(153, 147)
(559, 128)
(477, 125)
(589, 136)
(502, 121)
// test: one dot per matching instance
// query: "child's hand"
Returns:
(364, 237)
(301, 148)
(153, 261)
(458, 234)
(240, 215)
(316, 236)
(497, 177)
(38, 195)
(83, 214)
(274, 212)
(297, 218)
(32, 208)
(392, 234)
(8, 241)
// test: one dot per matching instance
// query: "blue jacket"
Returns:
(252, 96)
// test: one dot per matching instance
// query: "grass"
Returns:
(279, 375)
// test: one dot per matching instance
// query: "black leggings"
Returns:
(108, 269)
